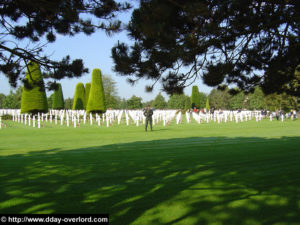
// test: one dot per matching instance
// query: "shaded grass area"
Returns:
(190, 174)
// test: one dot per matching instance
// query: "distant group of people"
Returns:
(292, 114)
(203, 111)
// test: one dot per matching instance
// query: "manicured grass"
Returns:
(246, 173)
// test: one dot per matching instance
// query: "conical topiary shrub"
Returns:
(87, 92)
(79, 97)
(58, 98)
(96, 103)
(207, 104)
(34, 98)
(195, 98)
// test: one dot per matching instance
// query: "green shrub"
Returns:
(195, 99)
(159, 102)
(207, 104)
(187, 104)
(96, 103)
(177, 101)
(87, 92)
(34, 98)
(58, 98)
(79, 97)
(6, 117)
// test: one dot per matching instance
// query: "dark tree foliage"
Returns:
(245, 43)
(37, 21)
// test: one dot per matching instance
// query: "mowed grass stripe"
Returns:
(230, 173)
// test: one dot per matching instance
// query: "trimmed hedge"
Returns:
(96, 103)
(34, 97)
(58, 98)
(79, 97)
(87, 92)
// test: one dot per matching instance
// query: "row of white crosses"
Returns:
(68, 116)
(166, 116)
(76, 117)
(137, 116)
(188, 116)
(178, 117)
(224, 116)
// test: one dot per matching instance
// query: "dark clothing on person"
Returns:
(148, 120)
(148, 114)
(277, 115)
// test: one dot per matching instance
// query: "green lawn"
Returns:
(246, 173)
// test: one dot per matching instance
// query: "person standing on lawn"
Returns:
(148, 112)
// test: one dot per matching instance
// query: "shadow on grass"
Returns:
(175, 181)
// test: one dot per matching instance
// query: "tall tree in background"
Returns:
(195, 98)
(256, 99)
(12, 100)
(134, 103)
(159, 102)
(177, 101)
(68, 103)
(253, 101)
(39, 21)
(2, 99)
(239, 101)
(187, 104)
(110, 90)
(34, 97)
(241, 43)
(58, 99)
(283, 102)
(145, 104)
(122, 104)
(202, 100)
(219, 99)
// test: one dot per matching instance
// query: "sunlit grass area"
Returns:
(228, 173)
